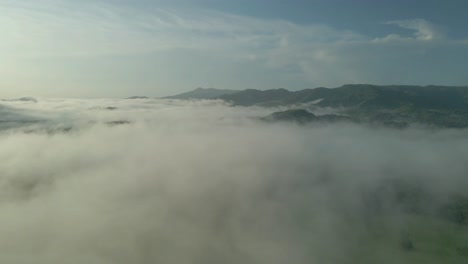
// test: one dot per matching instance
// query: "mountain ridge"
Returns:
(201, 93)
(395, 105)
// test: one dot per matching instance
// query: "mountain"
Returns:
(389, 105)
(251, 97)
(359, 95)
(295, 115)
(302, 116)
(202, 93)
(138, 97)
(393, 105)
(22, 99)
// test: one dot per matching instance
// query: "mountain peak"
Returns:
(201, 93)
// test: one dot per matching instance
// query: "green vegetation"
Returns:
(394, 105)
(421, 227)
(302, 116)
(413, 239)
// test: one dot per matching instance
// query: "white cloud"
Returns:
(200, 182)
(69, 29)
(49, 46)
(424, 30)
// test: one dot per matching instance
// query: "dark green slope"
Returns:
(390, 105)
(302, 116)
(360, 95)
(395, 106)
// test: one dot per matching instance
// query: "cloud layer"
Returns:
(424, 30)
(201, 182)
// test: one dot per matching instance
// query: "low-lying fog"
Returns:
(152, 181)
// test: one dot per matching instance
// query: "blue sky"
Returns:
(115, 48)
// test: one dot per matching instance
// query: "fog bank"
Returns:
(202, 182)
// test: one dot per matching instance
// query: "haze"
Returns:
(236, 132)
(65, 48)
(203, 182)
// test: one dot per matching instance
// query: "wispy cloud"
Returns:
(54, 37)
(70, 29)
(423, 29)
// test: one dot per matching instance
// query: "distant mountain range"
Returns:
(351, 95)
(202, 93)
(22, 99)
(138, 97)
(393, 105)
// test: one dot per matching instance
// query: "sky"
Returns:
(119, 48)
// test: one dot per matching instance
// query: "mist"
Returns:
(164, 181)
